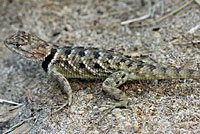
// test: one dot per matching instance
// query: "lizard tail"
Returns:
(153, 72)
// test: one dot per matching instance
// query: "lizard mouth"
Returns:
(18, 39)
(9, 43)
(12, 44)
(18, 43)
(27, 46)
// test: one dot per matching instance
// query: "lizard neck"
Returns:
(47, 60)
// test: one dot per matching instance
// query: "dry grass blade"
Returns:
(166, 16)
(197, 1)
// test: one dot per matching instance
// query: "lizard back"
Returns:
(80, 62)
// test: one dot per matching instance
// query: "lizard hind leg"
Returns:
(110, 86)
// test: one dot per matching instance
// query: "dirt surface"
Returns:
(167, 106)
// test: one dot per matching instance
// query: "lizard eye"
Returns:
(17, 45)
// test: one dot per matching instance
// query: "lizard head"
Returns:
(28, 46)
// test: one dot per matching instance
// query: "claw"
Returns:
(67, 104)
(111, 107)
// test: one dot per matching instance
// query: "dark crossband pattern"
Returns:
(48, 59)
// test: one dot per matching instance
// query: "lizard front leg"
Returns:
(64, 84)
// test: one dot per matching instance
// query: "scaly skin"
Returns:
(90, 63)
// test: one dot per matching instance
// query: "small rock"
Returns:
(80, 112)
(89, 96)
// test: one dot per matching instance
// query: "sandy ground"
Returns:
(167, 106)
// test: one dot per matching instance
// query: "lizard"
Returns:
(115, 68)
